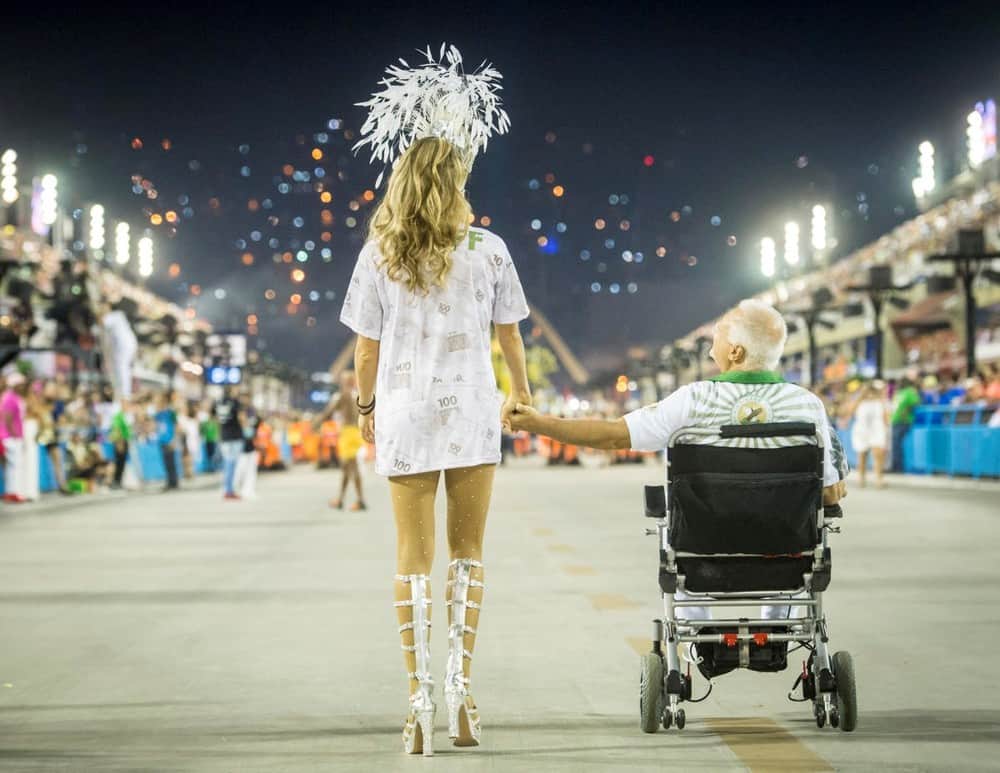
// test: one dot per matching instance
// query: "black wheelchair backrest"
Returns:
(762, 500)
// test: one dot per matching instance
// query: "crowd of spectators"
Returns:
(903, 396)
(91, 440)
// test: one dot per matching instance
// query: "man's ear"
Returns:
(737, 354)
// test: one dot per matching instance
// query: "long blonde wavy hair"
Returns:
(423, 215)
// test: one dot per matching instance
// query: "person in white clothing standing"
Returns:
(119, 346)
(870, 431)
(425, 293)
(246, 467)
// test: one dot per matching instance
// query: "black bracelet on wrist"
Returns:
(364, 410)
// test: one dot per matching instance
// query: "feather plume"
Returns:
(434, 99)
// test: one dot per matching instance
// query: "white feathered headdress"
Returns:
(434, 99)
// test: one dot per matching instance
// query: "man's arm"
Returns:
(592, 433)
(835, 467)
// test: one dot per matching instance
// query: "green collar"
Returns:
(750, 377)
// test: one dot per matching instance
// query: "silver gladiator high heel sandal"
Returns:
(464, 727)
(418, 732)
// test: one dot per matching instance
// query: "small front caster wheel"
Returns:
(680, 719)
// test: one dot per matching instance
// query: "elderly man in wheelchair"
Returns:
(754, 477)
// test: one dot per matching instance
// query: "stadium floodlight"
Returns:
(8, 176)
(145, 250)
(767, 256)
(975, 139)
(792, 243)
(121, 244)
(926, 178)
(818, 232)
(96, 235)
(49, 199)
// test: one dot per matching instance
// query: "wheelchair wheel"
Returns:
(650, 692)
(847, 691)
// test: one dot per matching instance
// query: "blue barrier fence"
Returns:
(148, 454)
(952, 440)
(150, 461)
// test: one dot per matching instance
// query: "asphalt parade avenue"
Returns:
(184, 633)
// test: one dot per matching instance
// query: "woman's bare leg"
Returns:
(862, 466)
(413, 507)
(469, 490)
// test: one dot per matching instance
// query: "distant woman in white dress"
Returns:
(425, 292)
(870, 432)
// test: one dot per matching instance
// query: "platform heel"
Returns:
(418, 732)
(464, 726)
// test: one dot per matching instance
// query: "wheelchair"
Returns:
(745, 527)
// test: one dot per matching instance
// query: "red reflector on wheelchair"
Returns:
(760, 639)
(730, 639)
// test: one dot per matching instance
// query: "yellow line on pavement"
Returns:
(764, 746)
(542, 532)
(559, 548)
(580, 570)
(606, 601)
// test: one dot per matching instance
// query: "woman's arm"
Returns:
(366, 367)
(512, 345)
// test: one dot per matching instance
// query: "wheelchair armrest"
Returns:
(832, 511)
(656, 502)
(772, 429)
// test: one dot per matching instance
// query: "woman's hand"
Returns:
(368, 427)
(509, 406)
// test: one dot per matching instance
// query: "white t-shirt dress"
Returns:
(438, 404)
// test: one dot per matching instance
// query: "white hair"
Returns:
(760, 330)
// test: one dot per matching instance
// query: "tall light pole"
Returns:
(95, 232)
(122, 244)
(969, 260)
(45, 204)
(811, 316)
(145, 252)
(880, 290)
(674, 358)
(925, 182)
(792, 243)
(8, 177)
(699, 354)
(767, 257)
(818, 237)
(974, 139)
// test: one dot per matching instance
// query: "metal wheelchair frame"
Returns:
(833, 702)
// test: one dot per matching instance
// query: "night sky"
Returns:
(749, 117)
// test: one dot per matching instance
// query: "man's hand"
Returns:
(523, 419)
(836, 492)
(509, 406)
(368, 427)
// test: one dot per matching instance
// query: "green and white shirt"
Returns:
(735, 397)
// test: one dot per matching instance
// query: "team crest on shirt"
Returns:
(752, 411)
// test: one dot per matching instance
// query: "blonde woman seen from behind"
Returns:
(423, 297)
(870, 432)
